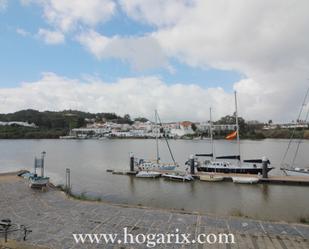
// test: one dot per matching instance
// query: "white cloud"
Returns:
(3, 5)
(266, 41)
(141, 95)
(51, 37)
(67, 14)
(141, 52)
(157, 12)
(136, 96)
(22, 32)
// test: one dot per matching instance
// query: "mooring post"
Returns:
(43, 153)
(265, 168)
(131, 162)
(192, 168)
(68, 181)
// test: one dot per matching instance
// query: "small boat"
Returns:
(38, 181)
(148, 174)
(245, 180)
(211, 178)
(178, 177)
(27, 175)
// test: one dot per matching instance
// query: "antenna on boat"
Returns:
(211, 135)
(157, 130)
(237, 126)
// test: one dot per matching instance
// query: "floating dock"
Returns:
(284, 180)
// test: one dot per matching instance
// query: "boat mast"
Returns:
(211, 135)
(293, 132)
(168, 146)
(237, 126)
(157, 142)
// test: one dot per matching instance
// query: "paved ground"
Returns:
(53, 218)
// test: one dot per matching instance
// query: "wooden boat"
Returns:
(178, 177)
(245, 179)
(211, 178)
(148, 174)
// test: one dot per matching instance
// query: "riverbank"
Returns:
(53, 218)
(11, 244)
(17, 132)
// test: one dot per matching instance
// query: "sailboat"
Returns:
(211, 177)
(144, 164)
(252, 166)
(291, 170)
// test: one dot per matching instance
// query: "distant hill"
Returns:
(52, 124)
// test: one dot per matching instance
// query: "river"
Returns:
(89, 160)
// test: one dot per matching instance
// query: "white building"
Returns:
(182, 129)
(25, 124)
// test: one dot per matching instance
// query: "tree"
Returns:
(193, 127)
(127, 117)
(228, 119)
(141, 119)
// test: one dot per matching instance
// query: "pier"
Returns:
(286, 180)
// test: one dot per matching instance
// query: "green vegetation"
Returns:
(141, 119)
(20, 132)
(304, 220)
(255, 130)
(52, 124)
(55, 124)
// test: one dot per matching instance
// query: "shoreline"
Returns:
(89, 199)
(53, 217)
(142, 138)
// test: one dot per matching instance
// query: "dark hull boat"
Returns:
(216, 164)
(234, 169)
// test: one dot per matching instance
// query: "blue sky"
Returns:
(24, 58)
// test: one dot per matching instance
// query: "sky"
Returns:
(180, 57)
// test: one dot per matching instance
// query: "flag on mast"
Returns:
(231, 136)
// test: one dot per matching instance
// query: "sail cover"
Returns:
(209, 155)
(255, 161)
(229, 157)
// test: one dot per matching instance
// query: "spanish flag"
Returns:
(231, 136)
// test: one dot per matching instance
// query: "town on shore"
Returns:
(82, 125)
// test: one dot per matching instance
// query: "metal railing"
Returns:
(7, 227)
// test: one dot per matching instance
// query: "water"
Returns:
(89, 159)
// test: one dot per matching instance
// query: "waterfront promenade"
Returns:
(53, 218)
